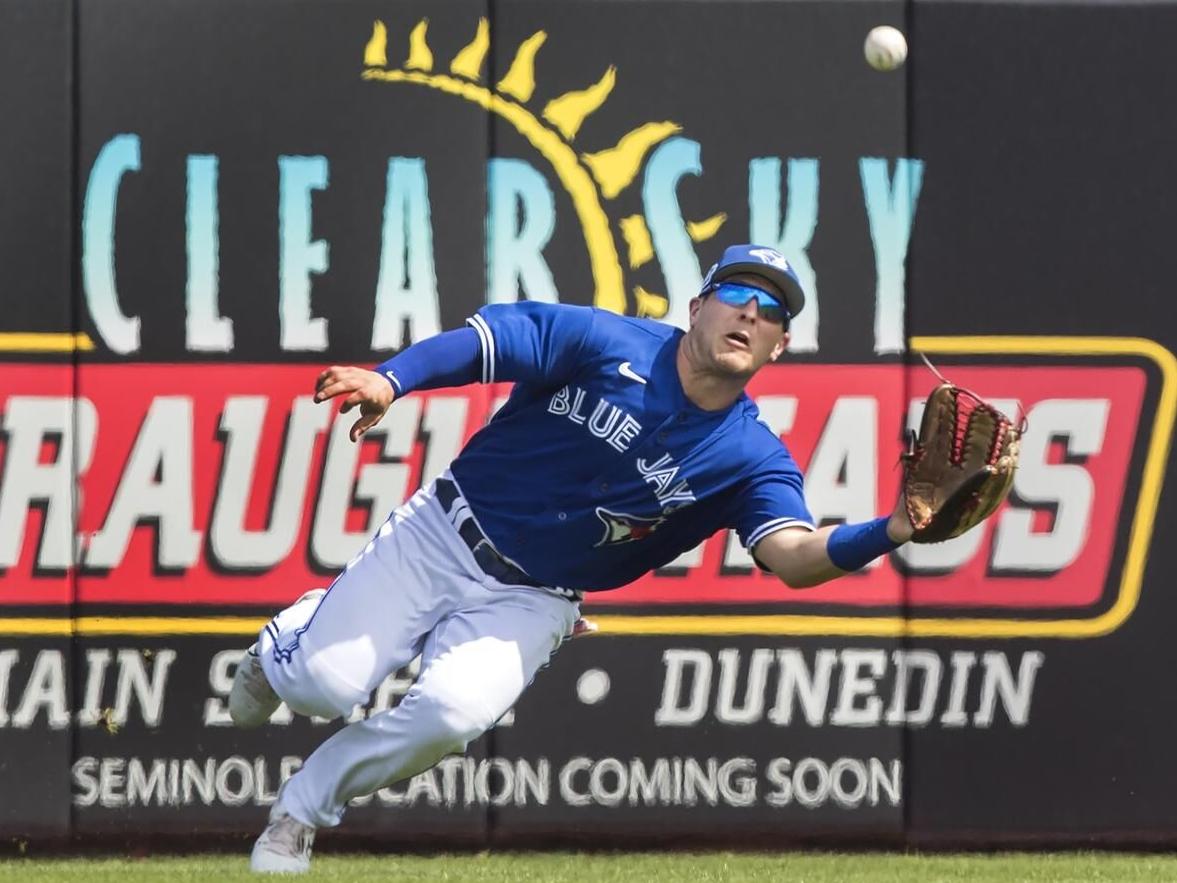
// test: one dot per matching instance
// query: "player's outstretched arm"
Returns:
(452, 358)
(364, 388)
(803, 558)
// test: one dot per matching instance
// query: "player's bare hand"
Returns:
(364, 389)
(584, 627)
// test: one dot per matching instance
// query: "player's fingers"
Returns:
(333, 389)
(351, 401)
(584, 627)
(327, 375)
(362, 425)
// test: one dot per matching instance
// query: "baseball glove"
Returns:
(960, 466)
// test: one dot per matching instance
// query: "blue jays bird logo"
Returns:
(622, 528)
(770, 256)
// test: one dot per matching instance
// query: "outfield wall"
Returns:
(205, 204)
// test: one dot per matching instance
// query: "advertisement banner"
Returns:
(228, 485)
(698, 736)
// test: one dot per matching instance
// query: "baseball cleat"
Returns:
(284, 847)
(252, 700)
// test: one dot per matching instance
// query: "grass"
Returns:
(648, 867)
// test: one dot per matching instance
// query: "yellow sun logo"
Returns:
(590, 179)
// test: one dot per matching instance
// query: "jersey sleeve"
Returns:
(773, 499)
(530, 341)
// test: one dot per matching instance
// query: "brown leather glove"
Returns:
(960, 467)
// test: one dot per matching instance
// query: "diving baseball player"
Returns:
(624, 443)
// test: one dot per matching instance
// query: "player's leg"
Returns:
(322, 655)
(474, 667)
(325, 654)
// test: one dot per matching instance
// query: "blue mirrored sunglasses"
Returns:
(736, 295)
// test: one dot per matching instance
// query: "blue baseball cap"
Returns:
(762, 261)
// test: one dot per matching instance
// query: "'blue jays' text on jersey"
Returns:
(598, 468)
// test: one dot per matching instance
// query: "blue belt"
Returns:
(485, 554)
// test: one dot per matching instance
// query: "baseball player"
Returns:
(624, 443)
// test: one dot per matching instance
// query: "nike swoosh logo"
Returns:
(626, 371)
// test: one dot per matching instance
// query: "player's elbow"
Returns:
(800, 575)
(797, 558)
(796, 580)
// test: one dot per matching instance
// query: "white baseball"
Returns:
(885, 48)
(592, 686)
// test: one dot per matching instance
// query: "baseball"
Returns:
(885, 48)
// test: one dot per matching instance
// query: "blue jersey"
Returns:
(598, 468)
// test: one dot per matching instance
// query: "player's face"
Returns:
(735, 340)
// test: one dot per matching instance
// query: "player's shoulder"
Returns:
(638, 341)
(524, 319)
(567, 317)
(607, 322)
(538, 310)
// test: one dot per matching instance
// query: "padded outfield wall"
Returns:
(206, 203)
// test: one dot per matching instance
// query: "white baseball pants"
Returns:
(415, 589)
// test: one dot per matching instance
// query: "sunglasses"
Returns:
(735, 295)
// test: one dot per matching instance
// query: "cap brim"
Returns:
(794, 295)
